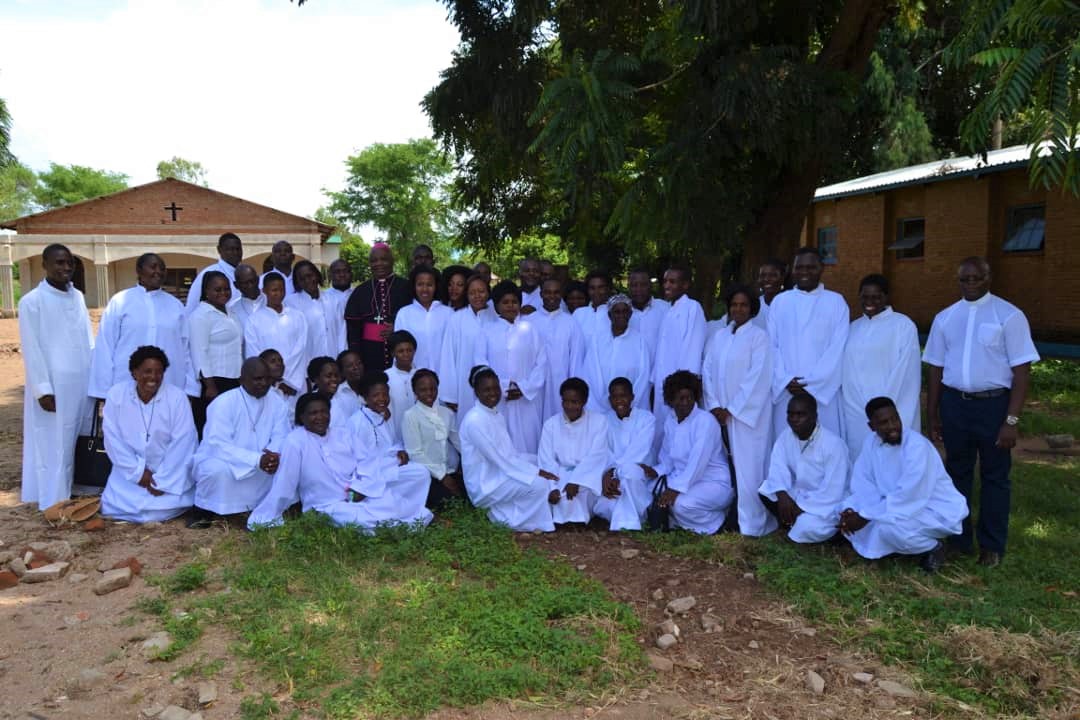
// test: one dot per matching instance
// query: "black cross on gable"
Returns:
(174, 209)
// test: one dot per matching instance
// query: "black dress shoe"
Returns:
(989, 558)
(933, 560)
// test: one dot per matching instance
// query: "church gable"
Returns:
(165, 207)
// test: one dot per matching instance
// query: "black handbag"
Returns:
(658, 519)
(92, 465)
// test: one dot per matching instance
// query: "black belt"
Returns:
(980, 395)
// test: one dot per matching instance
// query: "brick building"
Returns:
(915, 224)
(179, 221)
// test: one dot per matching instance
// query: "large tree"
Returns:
(16, 191)
(65, 184)
(6, 158)
(180, 168)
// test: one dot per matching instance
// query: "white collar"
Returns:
(820, 287)
(882, 315)
(976, 303)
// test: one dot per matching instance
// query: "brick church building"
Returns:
(179, 221)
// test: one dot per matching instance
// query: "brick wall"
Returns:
(860, 222)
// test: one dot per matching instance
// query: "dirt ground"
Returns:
(753, 664)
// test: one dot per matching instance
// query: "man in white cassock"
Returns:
(230, 253)
(248, 297)
(341, 287)
(881, 358)
(241, 445)
(902, 500)
(808, 326)
(499, 478)
(529, 279)
(464, 333)
(142, 315)
(150, 439)
(625, 493)
(592, 319)
(649, 312)
(681, 342)
(279, 327)
(380, 452)
(319, 468)
(692, 459)
(737, 377)
(573, 445)
(564, 341)
(620, 351)
(56, 344)
(808, 474)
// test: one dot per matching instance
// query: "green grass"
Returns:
(1054, 399)
(1005, 640)
(399, 624)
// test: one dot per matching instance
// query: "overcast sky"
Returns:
(270, 97)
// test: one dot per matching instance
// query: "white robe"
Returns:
(609, 357)
(592, 321)
(737, 376)
(319, 471)
(881, 358)
(168, 453)
(692, 457)
(239, 427)
(630, 444)
(325, 324)
(242, 308)
(402, 396)
(430, 436)
(339, 298)
(815, 474)
(216, 342)
(648, 322)
(464, 333)
(498, 477)
(516, 353)
(679, 346)
(56, 343)
(905, 493)
(808, 331)
(565, 345)
(428, 326)
(195, 291)
(376, 444)
(577, 452)
(136, 317)
(533, 299)
(285, 332)
(344, 405)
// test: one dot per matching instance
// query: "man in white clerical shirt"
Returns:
(248, 298)
(649, 312)
(565, 344)
(239, 453)
(231, 252)
(902, 501)
(56, 342)
(808, 327)
(808, 475)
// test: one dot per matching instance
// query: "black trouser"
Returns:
(199, 404)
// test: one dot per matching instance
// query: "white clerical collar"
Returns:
(49, 285)
(735, 330)
(647, 308)
(976, 303)
(552, 313)
(148, 292)
(492, 410)
(815, 291)
(883, 314)
(579, 421)
(681, 298)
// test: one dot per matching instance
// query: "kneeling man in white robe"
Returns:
(574, 445)
(808, 474)
(241, 445)
(902, 501)
(319, 468)
(625, 493)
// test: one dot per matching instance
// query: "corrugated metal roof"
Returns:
(947, 169)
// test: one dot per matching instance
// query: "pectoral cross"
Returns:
(173, 208)
(378, 319)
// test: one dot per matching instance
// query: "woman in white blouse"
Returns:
(216, 342)
(429, 431)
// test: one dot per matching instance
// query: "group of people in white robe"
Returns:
(534, 407)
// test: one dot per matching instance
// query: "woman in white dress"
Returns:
(515, 351)
(425, 318)
(322, 312)
(463, 333)
(618, 351)
(150, 439)
(318, 467)
(216, 340)
(429, 432)
(498, 477)
(737, 376)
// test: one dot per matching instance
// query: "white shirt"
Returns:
(630, 439)
(576, 451)
(217, 343)
(242, 308)
(430, 436)
(402, 396)
(285, 332)
(325, 334)
(808, 331)
(737, 373)
(692, 451)
(195, 291)
(593, 321)
(814, 472)
(533, 299)
(609, 357)
(680, 342)
(137, 317)
(427, 325)
(648, 322)
(979, 343)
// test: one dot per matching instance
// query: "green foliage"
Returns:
(504, 257)
(16, 191)
(1029, 52)
(6, 158)
(353, 249)
(187, 170)
(404, 622)
(65, 184)
(186, 578)
(401, 190)
(258, 707)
